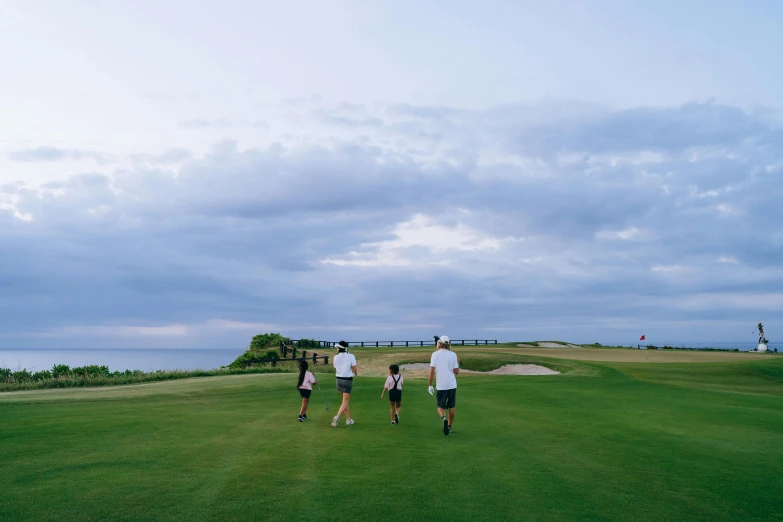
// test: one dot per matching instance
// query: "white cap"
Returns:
(443, 339)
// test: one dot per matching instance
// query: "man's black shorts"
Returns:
(305, 393)
(447, 398)
(395, 395)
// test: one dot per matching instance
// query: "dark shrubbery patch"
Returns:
(22, 376)
(266, 341)
(91, 371)
(262, 346)
(60, 370)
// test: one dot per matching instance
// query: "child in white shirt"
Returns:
(305, 387)
(394, 385)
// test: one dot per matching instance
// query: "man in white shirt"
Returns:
(444, 366)
(345, 368)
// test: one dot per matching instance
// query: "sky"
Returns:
(188, 174)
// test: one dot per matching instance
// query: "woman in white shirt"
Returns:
(345, 368)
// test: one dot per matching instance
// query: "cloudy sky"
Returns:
(187, 174)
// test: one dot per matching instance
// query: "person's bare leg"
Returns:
(391, 410)
(347, 405)
(399, 407)
(344, 406)
(303, 409)
(451, 416)
(441, 412)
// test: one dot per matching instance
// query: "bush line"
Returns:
(61, 376)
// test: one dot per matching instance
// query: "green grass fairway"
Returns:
(605, 441)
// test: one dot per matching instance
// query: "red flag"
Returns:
(641, 338)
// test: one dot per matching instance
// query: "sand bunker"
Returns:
(508, 369)
(548, 345)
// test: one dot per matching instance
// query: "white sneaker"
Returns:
(349, 422)
(334, 422)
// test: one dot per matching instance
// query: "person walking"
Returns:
(394, 385)
(345, 368)
(444, 366)
(305, 387)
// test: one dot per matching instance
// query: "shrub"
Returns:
(5, 374)
(22, 376)
(262, 346)
(42, 375)
(91, 371)
(668, 348)
(60, 370)
(261, 342)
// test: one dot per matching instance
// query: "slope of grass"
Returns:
(620, 442)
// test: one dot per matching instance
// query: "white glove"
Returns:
(431, 390)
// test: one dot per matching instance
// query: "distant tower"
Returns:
(763, 343)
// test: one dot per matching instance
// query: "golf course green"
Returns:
(606, 439)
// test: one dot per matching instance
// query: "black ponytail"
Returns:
(302, 371)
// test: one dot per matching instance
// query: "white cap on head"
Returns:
(443, 339)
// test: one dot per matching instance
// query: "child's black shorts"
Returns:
(395, 395)
(305, 393)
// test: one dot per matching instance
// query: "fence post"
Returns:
(376, 344)
(406, 344)
(392, 344)
(315, 358)
(326, 359)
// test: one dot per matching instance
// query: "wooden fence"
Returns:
(288, 353)
(307, 343)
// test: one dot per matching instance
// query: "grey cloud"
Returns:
(434, 112)
(238, 234)
(346, 117)
(55, 154)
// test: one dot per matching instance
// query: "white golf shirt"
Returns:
(444, 361)
(342, 364)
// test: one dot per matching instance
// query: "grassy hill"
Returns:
(608, 439)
